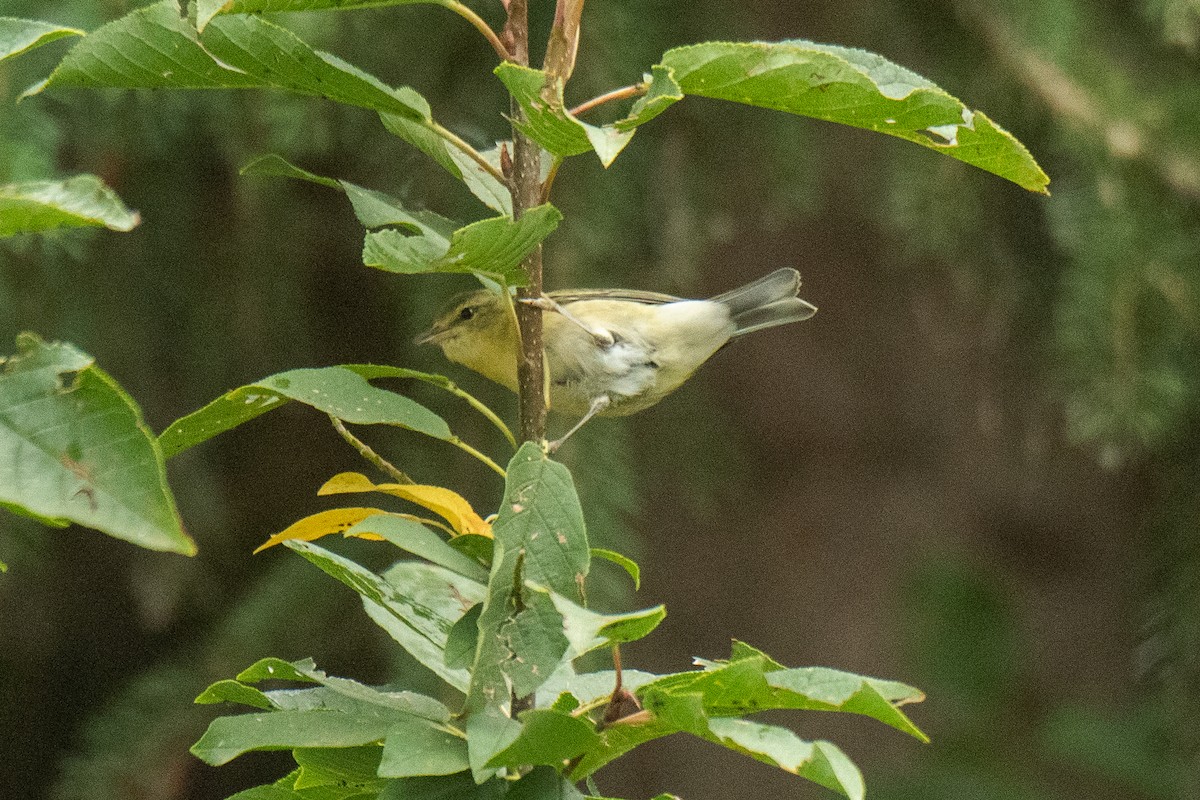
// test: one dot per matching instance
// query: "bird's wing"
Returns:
(566, 296)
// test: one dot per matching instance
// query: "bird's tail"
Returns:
(769, 301)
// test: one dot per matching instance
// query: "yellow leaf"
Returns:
(335, 520)
(446, 503)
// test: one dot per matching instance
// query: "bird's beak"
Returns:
(430, 336)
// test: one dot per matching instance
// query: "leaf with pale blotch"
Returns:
(587, 630)
(19, 36)
(79, 202)
(548, 122)
(74, 448)
(323, 523)
(493, 247)
(338, 391)
(446, 503)
(852, 87)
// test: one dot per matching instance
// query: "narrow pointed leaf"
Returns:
(323, 523)
(333, 390)
(19, 36)
(493, 247)
(447, 503)
(76, 449)
(852, 87)
(82, 201)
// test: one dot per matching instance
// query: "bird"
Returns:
(612, 352)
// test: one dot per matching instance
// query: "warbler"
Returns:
(613, 352)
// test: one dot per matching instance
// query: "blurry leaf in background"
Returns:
(19, 36)
(80, 452)
(82, 201)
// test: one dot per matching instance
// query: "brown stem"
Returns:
(623, 93)
(525, 186)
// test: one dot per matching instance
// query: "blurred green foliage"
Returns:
(1080, 315)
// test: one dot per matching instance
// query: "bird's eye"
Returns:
(466, 313)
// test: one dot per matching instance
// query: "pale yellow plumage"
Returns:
(612, 351)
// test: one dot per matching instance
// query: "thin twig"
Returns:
(625, 92)
(466, 448)
(478, 405)
(366, 452)
(481, 26)
(469, 151)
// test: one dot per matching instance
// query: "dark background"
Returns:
(974, 470)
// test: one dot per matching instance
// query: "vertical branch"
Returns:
(525, 184)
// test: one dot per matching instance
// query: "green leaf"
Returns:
(463, 639)
(548, 122)
(272, 165)
(82, 201)
(207, 9)
(414, 537)
(449, 787)
(159, 49)
(80, 451)
(417, 747)
(482, 183)
(19, 36)
(624, 562)
(540, 538)
(589, 687)
(820, 762)
(228, 691)
(276, 669)
(549, 738)
(344, 772)
(334, 390)
(493, 247)
(662, 92)
(697, 701)
(541, 516)
(852, 87)
(417, 604)
(229, 737)
(340, 713)
(587, 631)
